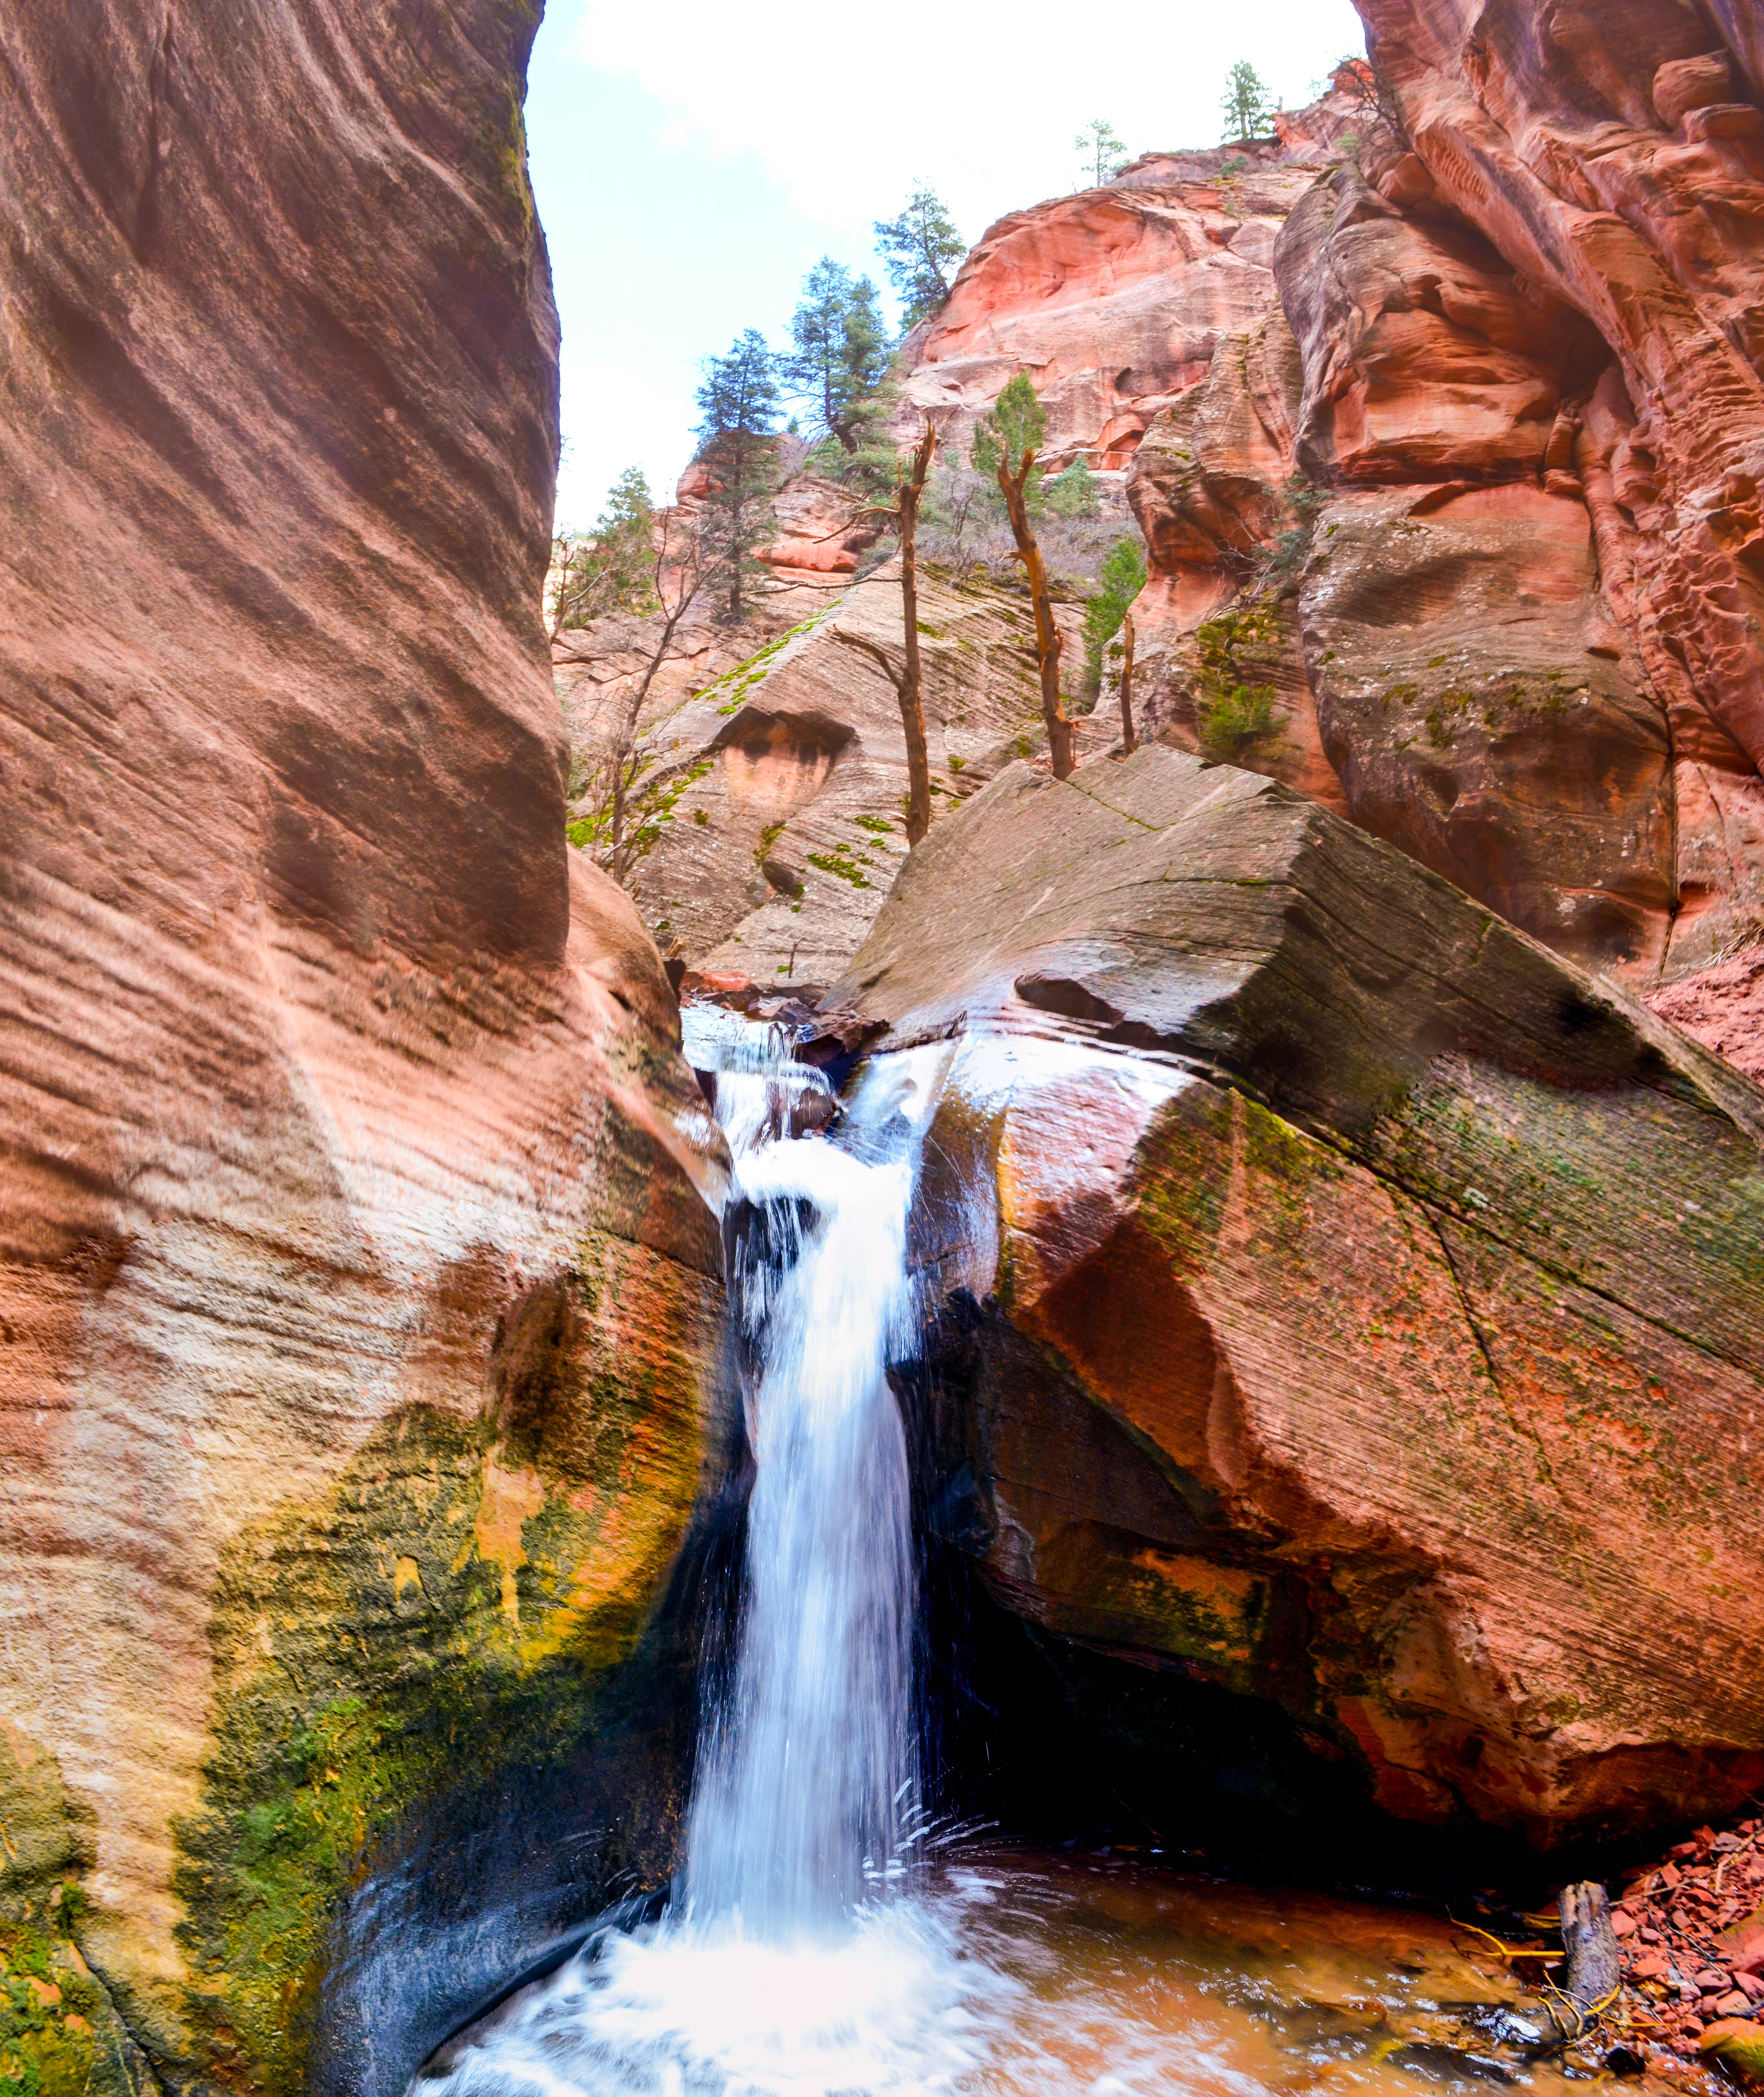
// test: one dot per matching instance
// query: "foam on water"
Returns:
(789, 1965)
(808, 1789)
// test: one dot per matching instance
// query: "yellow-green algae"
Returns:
(457, 1608)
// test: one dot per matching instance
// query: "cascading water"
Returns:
(807, 1784)
(785, 1964)
(802, 1957)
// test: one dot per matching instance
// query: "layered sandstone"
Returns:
(1115, 299)
(771, 807)
(1615, 156)
(358, 1291)
(1530, 267)
(1347, 1302)
(1397, 528)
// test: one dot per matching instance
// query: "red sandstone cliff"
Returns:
(1446, 438)
(339, 1142)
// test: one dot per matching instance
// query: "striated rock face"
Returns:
(1113, 300)
(1531, 270)
(774, 804)
(1471, 669)
(1613, 157)
(1344, 1300)
(357, 1292)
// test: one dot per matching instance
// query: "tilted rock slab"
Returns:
(1358, 1304)
(356, 1293)
(776, 795)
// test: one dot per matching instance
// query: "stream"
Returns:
(822, 1941)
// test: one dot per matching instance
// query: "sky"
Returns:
(693, 161)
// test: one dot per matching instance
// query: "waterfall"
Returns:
(788, 1964)
(807, 1784)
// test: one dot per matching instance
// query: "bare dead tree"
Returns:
(609, 790)
(1048, 643)
(1378, 117)
(909, 490)
(1127, 744)
(908, 682)
(570, 554)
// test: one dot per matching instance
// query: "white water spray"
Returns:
(803, 1958)
(807, 1792)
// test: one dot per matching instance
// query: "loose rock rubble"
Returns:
(1690, 1930)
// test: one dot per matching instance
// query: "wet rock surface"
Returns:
(1349, 1302)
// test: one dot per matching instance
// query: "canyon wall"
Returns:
(1438, 414)
(359, 1285)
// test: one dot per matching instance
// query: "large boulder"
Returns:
(358, 1293)
(1347, 1302)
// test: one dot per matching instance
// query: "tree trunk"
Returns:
(1047, 634)
(1128, 744)
(912, 703)
(1595, 1967)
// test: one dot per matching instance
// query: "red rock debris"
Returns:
(1691, 1933)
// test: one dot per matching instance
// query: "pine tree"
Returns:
(1249, 108)
(1017, 424)
(920, 250)
(608, 569)
(1122, 579)
(1007, 440)
(738, 447)
(1101, 153)
(840, 353)
(1073, 493)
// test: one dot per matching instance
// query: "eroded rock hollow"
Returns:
(1345, 1302)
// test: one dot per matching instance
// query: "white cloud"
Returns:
(692, 160)
(844, 108)
(630, 416)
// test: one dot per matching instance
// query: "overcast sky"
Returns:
(692, 161)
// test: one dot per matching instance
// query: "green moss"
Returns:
(734, 685)
(456, 1609)
(59, 2034)
(1235, 717)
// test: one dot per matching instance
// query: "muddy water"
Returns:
(1007, 1974)
(1135, 1979)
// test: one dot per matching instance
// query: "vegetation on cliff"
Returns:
(738, 449)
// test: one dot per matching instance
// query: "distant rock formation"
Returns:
(1115, 299)
(1443, 419)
